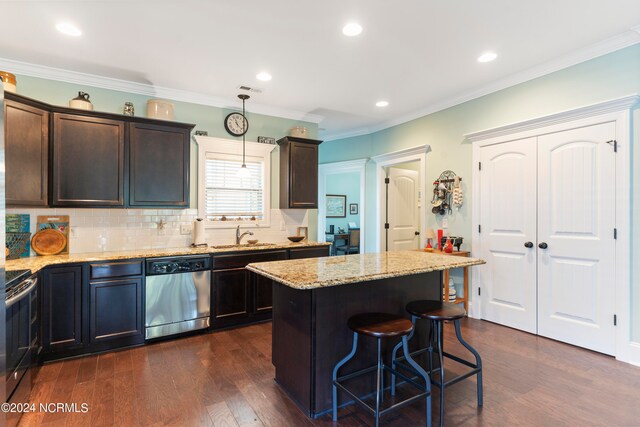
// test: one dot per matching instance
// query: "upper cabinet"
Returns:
(298, 173)
(26, 153)
(96, 159)
(88, 161)
(158, 165)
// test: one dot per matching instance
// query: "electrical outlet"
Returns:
(162, 232)
(185, 228)
(283, 226)
(445, 223)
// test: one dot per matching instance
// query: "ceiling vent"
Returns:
(249, 89)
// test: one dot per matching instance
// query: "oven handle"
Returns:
(26, 291)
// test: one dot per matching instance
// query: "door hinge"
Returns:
(386, 225)
(386, 180)
(478, 291)
(479, 229)
(615, 233)
(615, 145)
(615, 320)
(479, 166)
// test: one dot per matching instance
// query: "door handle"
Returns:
(528, 245)
(543, 245)
(417, 233)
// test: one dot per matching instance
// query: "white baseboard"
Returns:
(631, 354)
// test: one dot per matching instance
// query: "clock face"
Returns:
(236, 124)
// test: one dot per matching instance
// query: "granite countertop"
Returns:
(37, 263)
(315, 273)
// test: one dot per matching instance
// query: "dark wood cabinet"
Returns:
(310, 252)
(26, 153)
(116, 310)
(158, 165)
(298, 173)
(62, 314)
(238, 295)
(88, 161)
(231, 295)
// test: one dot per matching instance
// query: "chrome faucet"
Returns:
(240, 236)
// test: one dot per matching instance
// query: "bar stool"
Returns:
(381, 326)
(437, 312)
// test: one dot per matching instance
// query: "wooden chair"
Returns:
(353, 244)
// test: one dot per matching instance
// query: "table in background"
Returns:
(445, 278)
(337, 236)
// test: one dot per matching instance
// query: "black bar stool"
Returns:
(437, 312)
(381, 326)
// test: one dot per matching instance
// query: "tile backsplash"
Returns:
(103, 230)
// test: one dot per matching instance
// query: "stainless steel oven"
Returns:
(22, 336)
(178, 295)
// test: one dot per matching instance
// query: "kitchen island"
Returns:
(313, 298)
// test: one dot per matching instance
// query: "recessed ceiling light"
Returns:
(487, 57)
(382, 103)
(263, 76)
(68, 29)
(351, 29)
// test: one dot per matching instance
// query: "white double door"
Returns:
(547, 233)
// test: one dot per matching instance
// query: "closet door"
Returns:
(508, 221)
(576, 206)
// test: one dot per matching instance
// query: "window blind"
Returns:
(230, 196)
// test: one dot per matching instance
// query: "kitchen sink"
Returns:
(242, 245)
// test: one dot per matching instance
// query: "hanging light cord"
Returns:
(244, 128)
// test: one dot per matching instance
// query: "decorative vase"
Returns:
(9, 81)
(448, 247)
(128, 109)
(81, 102)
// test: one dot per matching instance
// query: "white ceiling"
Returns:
(418, 55)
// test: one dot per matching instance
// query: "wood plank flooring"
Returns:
(226, 379)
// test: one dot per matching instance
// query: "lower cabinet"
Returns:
(62, 313)
(240, 297)
(92, 307)
(116, 308)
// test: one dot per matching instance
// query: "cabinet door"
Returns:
(230, 293)
(62, 308)
(159, 165)
(88, 161)
(263, 293)
(303, 176)
(115, 311)
(27, 154)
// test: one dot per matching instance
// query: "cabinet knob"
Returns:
(528, 245)
(417, 233)
(543, 245)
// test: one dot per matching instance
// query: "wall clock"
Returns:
(236, 124)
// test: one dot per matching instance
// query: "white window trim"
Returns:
(208, 144)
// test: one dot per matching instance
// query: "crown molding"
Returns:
(75, 77)
(407, 152)
(613, 105)
(621, 41)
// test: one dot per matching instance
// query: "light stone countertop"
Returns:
(37, 263)
(315, 273)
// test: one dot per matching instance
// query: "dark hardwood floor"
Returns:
(226, 379)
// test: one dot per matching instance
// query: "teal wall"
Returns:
(347, 184)
(607, 77)
(205, 118)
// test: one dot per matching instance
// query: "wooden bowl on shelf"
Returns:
(295, 239)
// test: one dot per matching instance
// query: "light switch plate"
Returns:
(185, 228)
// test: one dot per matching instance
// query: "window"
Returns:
(229, 196)
(225, 198)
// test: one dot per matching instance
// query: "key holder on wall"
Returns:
(447, 193)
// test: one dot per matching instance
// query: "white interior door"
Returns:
(508, 221)
(576, 219)
(404, 217)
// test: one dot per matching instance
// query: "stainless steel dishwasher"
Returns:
(178, 295)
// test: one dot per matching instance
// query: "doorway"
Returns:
(402, 206)
(344, 182)
(400, 164)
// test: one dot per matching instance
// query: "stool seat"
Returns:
(380, 325)
(435, 310)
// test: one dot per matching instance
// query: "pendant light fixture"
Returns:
(243, 172)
